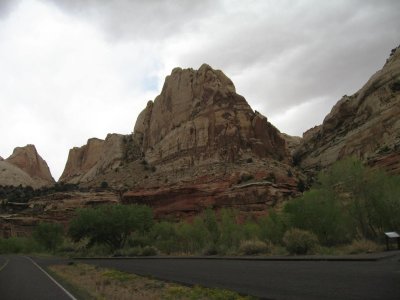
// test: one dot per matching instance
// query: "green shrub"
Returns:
(250, 230)
(149, 251)
(164, 237)
(273, 227)
(49, 235)
(110, 225)
(299, 241)
(319, 211)
(230, 231)
(252, 247)
(370, 197)
(210, 250)
(15, 245)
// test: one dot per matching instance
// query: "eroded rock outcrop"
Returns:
(365, 125)
(97, 156)
(199, 118)
(25, 167)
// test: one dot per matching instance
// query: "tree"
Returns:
(110, 224)
(49, 235)
(319, 212)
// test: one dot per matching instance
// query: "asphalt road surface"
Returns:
(275, 279)
(21, 278)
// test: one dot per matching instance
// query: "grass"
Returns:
(91, 282)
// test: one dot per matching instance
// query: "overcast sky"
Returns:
(75, 69)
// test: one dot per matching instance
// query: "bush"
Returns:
(210, 250)
(319, 212)
(164, 237)
(299, 241)
(252, 247)
(149, 251)
(230, 231)
(370, 197)
(104, 185)
(273, 227)
(16, 245)
(245, 177)
(49, 235)
(110, 225)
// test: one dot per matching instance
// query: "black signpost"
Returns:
(392, 236)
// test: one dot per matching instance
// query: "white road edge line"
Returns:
(5, 264)
(52, 279)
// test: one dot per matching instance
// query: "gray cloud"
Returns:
(143, 20)
(321, 49)
(6, 6)
(289, 52)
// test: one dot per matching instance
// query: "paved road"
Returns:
(21, 279)
(276, 279)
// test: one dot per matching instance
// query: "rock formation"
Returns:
(197, 137)
(58, 207)
(94, 158)
(365, 125)
(25, 167)
(199, 118)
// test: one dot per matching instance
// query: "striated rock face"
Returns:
(365, 125)
(97, 156)
(199, 118)
(25, 167)
(190, 147)
(253, 191)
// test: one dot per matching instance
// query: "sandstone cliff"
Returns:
(365, 125)
(94, 158)
(25, 167)
(198, 137)
(199, 118)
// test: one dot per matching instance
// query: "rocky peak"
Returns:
(27, 159)
(199, 117)
(25, 167)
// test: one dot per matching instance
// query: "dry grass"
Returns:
(101, 283)
(363, 246)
